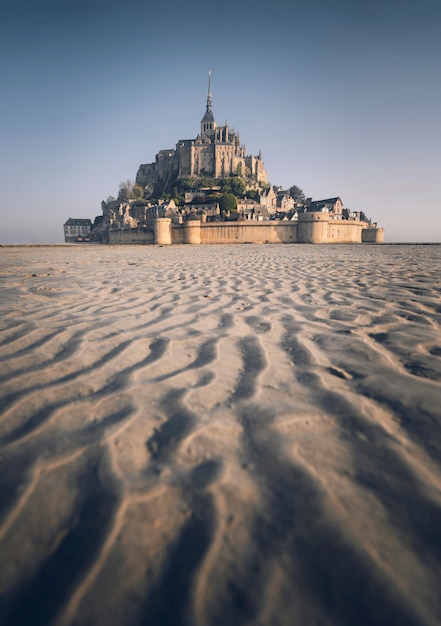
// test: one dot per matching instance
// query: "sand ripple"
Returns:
(203, 436)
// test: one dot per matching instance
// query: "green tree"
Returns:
(235, 185)
(205, 182)
(185, 183)
(228, 202)
(225, 184)
(213, 196)
(297, 193)
(179, 200)
(238, 186)
(252, 194)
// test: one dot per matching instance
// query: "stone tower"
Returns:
(208, 124)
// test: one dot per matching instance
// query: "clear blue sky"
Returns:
(342, 96)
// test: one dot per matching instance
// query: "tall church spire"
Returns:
(209, 98)
(208, 125)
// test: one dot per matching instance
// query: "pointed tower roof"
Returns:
(208, 115)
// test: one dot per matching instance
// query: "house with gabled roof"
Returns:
(333, 206)
(285, 202)
(268, 198)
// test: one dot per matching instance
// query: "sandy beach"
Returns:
(238, 435)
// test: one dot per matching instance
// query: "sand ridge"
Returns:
(216, 435)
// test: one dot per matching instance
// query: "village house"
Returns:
(76, 229)
(285, 202)
(268, 198)
(333, 206)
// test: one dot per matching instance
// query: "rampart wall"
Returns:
(131, 236)
(345, 231)
(310, 228)
(372, 235)
(245, 232)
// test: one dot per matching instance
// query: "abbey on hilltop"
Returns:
(215, 153)
(208, 190)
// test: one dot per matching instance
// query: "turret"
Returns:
(312, 227)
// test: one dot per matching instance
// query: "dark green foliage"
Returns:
(228, 202)
(206, 182)
(297, 193)
(213, 196)
(238, 186)
(185, 183)
(176, 188)
(235, 185)
(252, 194)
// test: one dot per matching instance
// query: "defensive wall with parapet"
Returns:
(309, 228)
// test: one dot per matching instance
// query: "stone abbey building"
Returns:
(215, 153)
(202, 172)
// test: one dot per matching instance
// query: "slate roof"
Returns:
(319, 204)
(73, 221)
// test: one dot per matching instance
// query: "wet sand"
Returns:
(212, 436)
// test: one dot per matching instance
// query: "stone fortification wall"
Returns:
(313, 228)
(162, 231)
(178, 234)
(317, 227)
(130, 236)
(372, 235)
(345, 231)
(249, 232)
(310, 228)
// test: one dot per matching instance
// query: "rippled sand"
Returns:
(216, 436)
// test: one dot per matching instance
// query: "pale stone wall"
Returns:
(177, 234)
(235, 232)
(163, 231)
(131, 236)
(372, 235)
(345, 231)
(313, 227)
(192, 232)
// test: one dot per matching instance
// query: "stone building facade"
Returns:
(333, 206)
(76, 228)
(215, 153)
